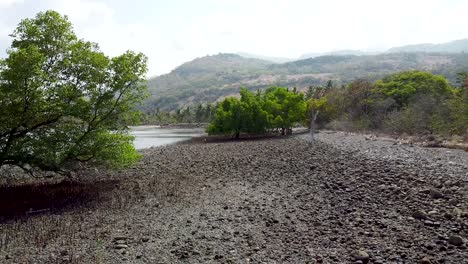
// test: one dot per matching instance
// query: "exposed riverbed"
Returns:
(337, 199)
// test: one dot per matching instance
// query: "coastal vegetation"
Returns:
(412, 102)
(276, 108)
(200, 113)
(63, 101)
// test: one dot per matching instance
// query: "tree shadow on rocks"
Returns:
(24, 201)
(222, 139)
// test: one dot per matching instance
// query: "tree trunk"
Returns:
(313, 118)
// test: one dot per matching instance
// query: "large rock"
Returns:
(120, 246)
(436, 194)
(360, 255)
(419, 214)
(455, 240)
(425, 260)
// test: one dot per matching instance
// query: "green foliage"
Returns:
(118, 152)
(407, 102)
(201, 113)
(417, 117)
(63, 101)
(228, 118)
(254, 116)
(327, 111)
(285, 107)
(462, 79)
(402, 86)
(276, 108)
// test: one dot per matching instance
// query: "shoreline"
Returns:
(178, 125)
(427, 141)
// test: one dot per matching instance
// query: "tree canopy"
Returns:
(404, 85)
(412, 102)
(276, 108)
(64, 101)
(285, 107)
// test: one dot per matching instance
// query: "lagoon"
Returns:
(153, 136)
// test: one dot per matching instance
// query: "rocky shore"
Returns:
(339, 198)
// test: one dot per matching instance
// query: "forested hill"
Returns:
(456, 46)
(210, 78)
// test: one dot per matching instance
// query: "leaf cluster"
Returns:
(64, 101)
(276, 108)
(412, 102)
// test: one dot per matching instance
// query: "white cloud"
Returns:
(8, 3)
(173, 32)
(83, 11)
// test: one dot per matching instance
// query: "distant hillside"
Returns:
(456, 46)
(267, 58)
(336, 53)
(203, 79)
(211, 78)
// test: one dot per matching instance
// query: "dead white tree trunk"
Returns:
(313, 118)
(314, 113)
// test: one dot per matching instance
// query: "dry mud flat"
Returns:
(338, 199)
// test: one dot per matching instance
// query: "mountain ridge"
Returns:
(456, 46)
(267, 58)
(211, 78)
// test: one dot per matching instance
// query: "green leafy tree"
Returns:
(312, 91)
(259, 113)
(199, 113)
(407, 102)
(186, 115)
(228, 118)
(285, 107)
(209, 112)
(255, 117)
(462, 80)
(454, 120)
(405, 85)
(63, 101)
(178, 116)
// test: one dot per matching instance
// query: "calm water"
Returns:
(151, 136)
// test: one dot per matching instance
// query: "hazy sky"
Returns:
(171, 32)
